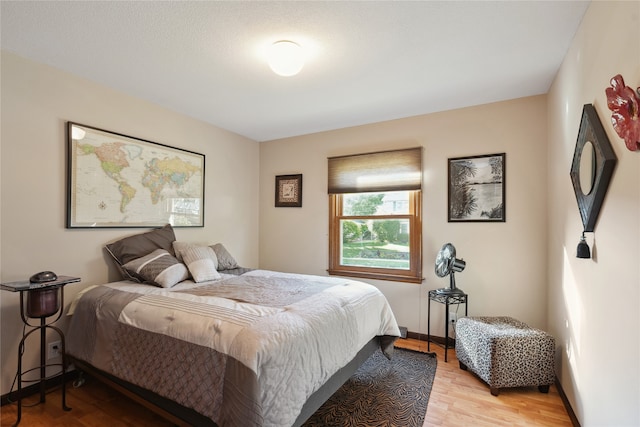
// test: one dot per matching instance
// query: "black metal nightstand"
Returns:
(446, 298)
(43, 300)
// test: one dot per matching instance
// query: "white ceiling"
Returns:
(368, 61)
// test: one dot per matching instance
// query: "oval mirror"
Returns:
(587, 167)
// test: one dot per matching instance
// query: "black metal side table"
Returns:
(446, 298)
(43, 300)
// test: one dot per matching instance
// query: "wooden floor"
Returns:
(458, 398)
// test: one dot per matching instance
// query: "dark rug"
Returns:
(382, 392)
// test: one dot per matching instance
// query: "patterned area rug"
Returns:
(382, 392)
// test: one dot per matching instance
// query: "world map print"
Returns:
(122, 181)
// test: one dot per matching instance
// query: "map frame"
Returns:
(153, 208)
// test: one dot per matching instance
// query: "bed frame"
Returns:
(332, 385)
(185, 417)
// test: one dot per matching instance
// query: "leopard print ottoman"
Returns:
(505, 352)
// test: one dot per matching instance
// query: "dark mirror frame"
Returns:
(591, 130)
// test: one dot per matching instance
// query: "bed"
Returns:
(246, 348)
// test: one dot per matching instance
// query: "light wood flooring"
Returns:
(458, 398)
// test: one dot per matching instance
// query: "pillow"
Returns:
(139, 245)
(201, 261)
(159, 268)
(225, 260)
(179, 247)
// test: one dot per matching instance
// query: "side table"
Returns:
(446, 298)
(43, 300)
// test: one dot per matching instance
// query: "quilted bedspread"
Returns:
(245, 350)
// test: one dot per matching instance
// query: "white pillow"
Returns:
(201, 261)
(159, 268)
(178, 247)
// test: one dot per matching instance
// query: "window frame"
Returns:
(412, 275)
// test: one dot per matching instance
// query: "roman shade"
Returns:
(393, 170)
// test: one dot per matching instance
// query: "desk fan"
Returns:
(448, 264)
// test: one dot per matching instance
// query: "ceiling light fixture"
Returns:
(285, 58)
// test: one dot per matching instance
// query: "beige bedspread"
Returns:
(244, 350)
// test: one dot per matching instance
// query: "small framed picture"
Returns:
(477, 188)
(289, 191)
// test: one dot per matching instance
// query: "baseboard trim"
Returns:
(567, 404)
(33, 389)
(434, 339)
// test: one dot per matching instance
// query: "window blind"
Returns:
(394, 170)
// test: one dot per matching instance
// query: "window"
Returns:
(375, 228)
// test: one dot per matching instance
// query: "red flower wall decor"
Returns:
(625, 105)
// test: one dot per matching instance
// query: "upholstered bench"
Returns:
(505, 352)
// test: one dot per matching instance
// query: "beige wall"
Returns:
(506, 262)
(36, 102)
(594, 304)
(525, 267)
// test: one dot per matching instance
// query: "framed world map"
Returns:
(116, 180)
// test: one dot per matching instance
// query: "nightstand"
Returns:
(43, 300)
(447, 299)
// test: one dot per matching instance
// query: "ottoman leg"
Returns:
(495, 391)
(462, 366)
(543, 388)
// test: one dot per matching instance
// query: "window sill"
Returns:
(378, 276)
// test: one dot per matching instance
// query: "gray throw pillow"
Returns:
(225, 260)
(139, 245)
(159, 268)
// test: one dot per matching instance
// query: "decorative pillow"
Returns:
(132, 247)
(201, 261)
(225, 260)
(139, 245)
(159, 268)
(179, 247)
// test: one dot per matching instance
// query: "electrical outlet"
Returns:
(55, 349)
(453, 317)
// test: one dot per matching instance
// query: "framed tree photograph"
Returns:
(115, 180)
(289, 191)
(477, 188)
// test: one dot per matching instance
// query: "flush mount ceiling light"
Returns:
(285, 58)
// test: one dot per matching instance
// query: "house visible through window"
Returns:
(376, 234)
